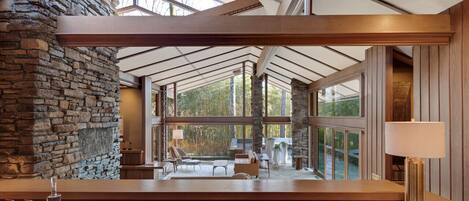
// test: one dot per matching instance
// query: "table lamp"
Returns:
(415, 141)
(178, 135)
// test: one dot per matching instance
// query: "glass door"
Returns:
(339, 153)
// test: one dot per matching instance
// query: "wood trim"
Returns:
(129, 80)
(338, 122)
(276, 120)
(347, 74)
(209, 120)
(204, 190)
(253, 30)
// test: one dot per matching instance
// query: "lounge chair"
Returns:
(247, 163)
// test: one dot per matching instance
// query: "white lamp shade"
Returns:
(178, 134)
(415, 139)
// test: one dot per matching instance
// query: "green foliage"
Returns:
(347, 107)
(214, 100)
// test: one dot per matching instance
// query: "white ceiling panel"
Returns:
(181, 74)
(288, 73)
(299, 70)
(160, 67)
(188, 49)
(357, 52)
(424, 6)
(211, 52)
(123, 52)
(220, 58)
(278, 77)
(306, 62)
(350, 7)
(148, 58)
(326, 56)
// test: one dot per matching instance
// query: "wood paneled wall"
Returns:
(378, 77)
(441, 93)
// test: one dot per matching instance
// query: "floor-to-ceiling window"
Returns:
(338, 143)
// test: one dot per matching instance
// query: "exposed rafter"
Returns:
(392, 6)
(286, 7)
(165, 60)
(312, 58)
(200, 68)
(139, 53)
(198, 61)
(182, 5)
(296, 74)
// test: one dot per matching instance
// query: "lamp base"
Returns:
(414, 179)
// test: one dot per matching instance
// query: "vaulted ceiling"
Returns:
(191, 67)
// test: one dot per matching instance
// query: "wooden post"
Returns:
(175, 100)
(266, 104)
(162, 136)
(244, 105)
(147, 116)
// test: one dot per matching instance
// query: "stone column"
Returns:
(299, 93)
(257, 105)
(54, 99)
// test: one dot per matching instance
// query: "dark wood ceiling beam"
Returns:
(120, 31)
(280, 75)
(278, 82)
(200, 60)
(312, 58)
(207, 66)
(301, 66)
(168, 59)
(296, 74)
(198, 75)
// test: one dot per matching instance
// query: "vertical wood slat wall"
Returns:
(378, 61)
(441, 93)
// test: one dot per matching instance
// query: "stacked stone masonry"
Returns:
(257, 100)
(299, 118)
(49, 93)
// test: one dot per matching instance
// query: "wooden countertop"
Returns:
(204, 190)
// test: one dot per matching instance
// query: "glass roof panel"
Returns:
(165, 7)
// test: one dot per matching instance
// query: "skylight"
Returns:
(165, 7)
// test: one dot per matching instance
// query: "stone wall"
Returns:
(48, 93)
(299, 118)
(257, 105)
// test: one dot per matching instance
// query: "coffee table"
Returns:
(220, 163)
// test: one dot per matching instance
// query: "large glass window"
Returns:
(278, 141)
(338, 153)
(353, 155)
(222, 98)
(211, 141)
(279, 101)
(339, 100)
(321, 148)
